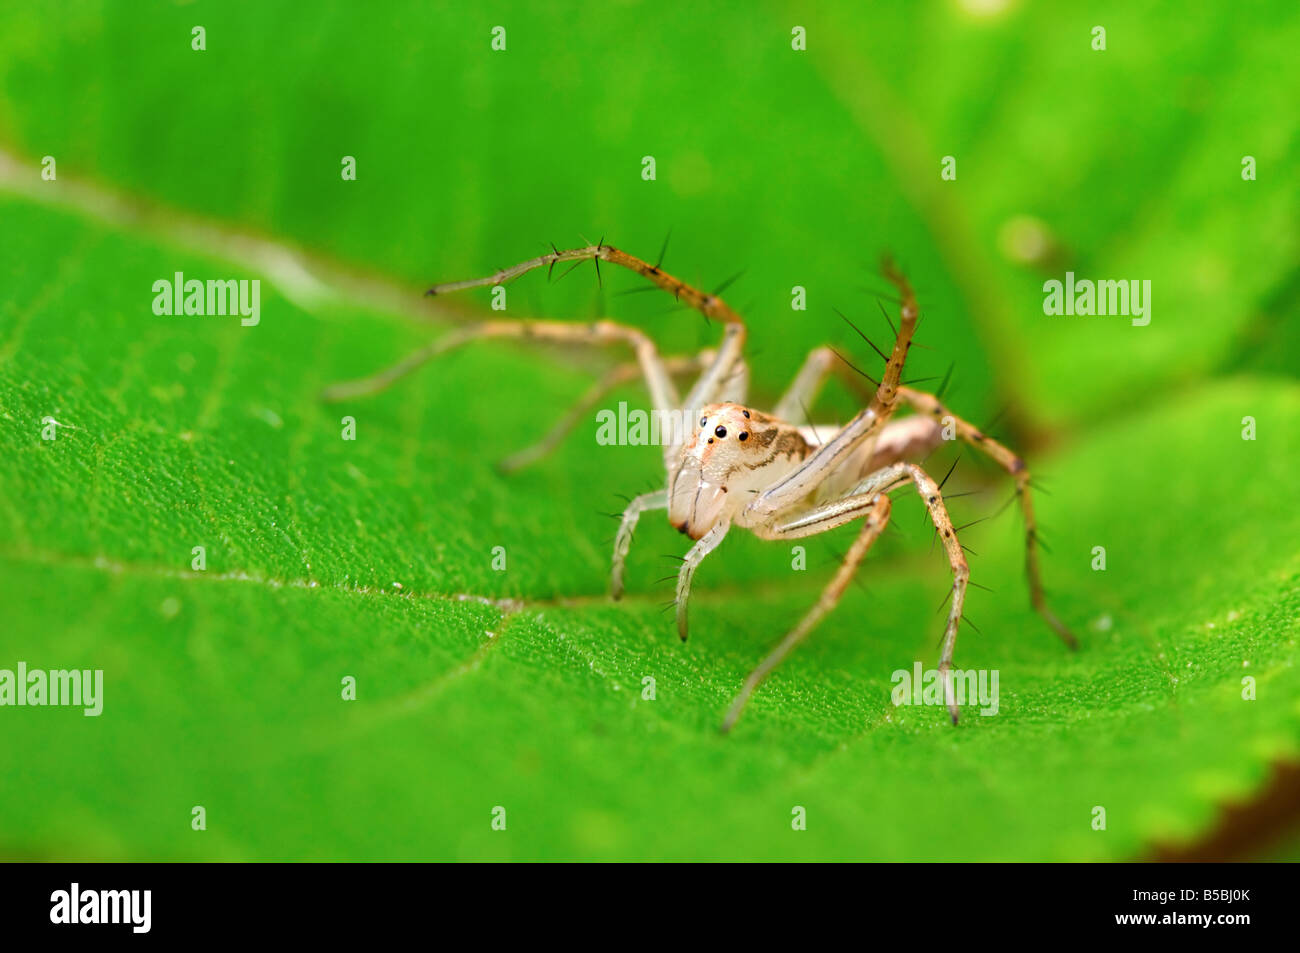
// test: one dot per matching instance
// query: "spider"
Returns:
(739, 468)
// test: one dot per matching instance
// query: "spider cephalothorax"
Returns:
(734, 453)
(738, 467)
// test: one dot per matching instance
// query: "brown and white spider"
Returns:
(740, 468)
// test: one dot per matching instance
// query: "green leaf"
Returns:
(373, 558)
(223, 686)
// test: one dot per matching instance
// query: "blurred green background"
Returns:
(793, 167)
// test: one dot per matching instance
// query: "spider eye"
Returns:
(746, 413)
(744, 436)
(703, 421)
(721, 431)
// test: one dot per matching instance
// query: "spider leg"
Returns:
(892, 477)
(930, 406)
(725, 377)
(909, 438)
(800, 396)
(864, 426)
(729, 382)
(710, 305)
(828, 516)
(703, 546)
(662, 392)
(720, 374)
(656, 500)
(803, 391)
(617, 376)
(877, 508)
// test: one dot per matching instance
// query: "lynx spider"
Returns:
(741, 468)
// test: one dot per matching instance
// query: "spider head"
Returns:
(723, 430)
(733, 452)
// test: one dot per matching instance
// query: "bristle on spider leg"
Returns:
(853, 367)
(1001, 509)
(997, 418)
(808, 417)
(881, 295)
(729, 282)
(949, 471)
(663, 249)
(946, 596)
(839, 560)
(887, 319)
(947, 379)
(883, 355)
(580, 261)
